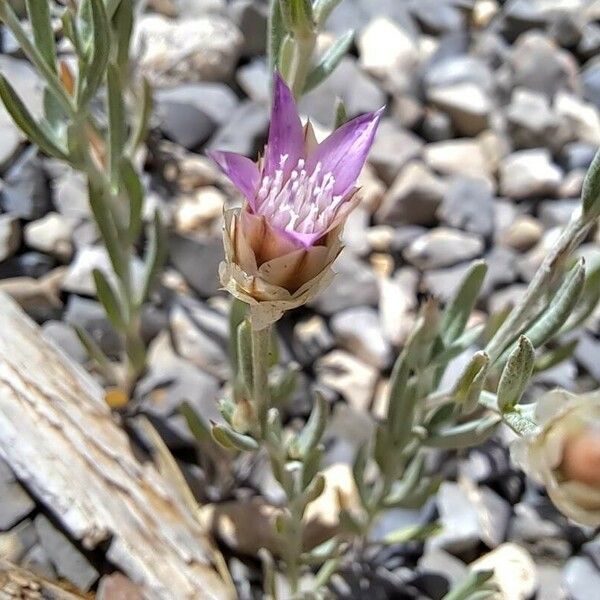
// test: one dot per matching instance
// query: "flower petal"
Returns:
(241, 170)
(345, 151)
(286, 135)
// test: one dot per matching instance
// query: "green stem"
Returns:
(260, 375)
(303, 50)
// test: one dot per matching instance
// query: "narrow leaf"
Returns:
(310, 436)
(41, 25)
(467, 434)
(199, 428)
(406, 486)
(589, 300)
(590, 194)
(329, 61)
(123, 27)
(135, 195)
(276, 33)
(140, 131)
(25, 121)
(96, 70)
(232, 439)
(471, 585)
(458, 311)
(340, 113)
(109, 300)
(516, 375)
(156, 253)
(555, 356)
(413, 533)
(302, 16)
(117, 129)
(96, 354)
(322, 9)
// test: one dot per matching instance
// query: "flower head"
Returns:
(280, 245)
(564, 454)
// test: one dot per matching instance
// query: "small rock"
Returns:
(398, 301)
(244, 131)
(311, 339)
(392, 149)
(37, 560)
(581, 578)
(358, 330)
(10, 236)
(468, 205)
(466, 103)
(587, 355)
(52, 234)
(437, 17)
(440, 561)
(457, 157)
(198, 259)
(458, 67)
(200, 212)
(354, 285)
(384, 46)
(554, 213)
(192, 49)
(251, 18)
(525, 232)
(70, 194)
(529, 174)
(64, 337)
(255, 80)
(16, 543)
(582, 116)
(514, 571)
(443, 247)
(413, 198)
(25, 193)
(590, 78)
(437, 126)
(68, 561)
(15, 503)
(348, 376)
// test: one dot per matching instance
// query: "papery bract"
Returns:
(563, 453)
(281, 243)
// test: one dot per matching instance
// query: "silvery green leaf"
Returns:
(311, 464)
(409, 481)
(99, 204)
(324, 574)
(117, 128)
(230, 439)
(227, 408)
(276, 31)
(426, 487)
(237, 314)
(413, 533)
(41, 25)
(135, 351)
(329, 61)
(109, 300)
(25, 121)
(100, 52)
(287, 56)
(96, 354)
(459, 309)
(588, 301)
(516, 375)
(466, 340)
(140, 130)
(322, 9)
(312, 491)
(464, 435)
(244, 355)
(560, 307)
(311, 434)
(340, 113)
(302, 16)
(283, 384)
(472, 584)
(555, 356)
(132, 186)
(34, 55)
(122, 20)
(55, 119)
(590, 194)
(155, 255)
(470, 384)
(112, 6)
(358, 472)
(198, 427)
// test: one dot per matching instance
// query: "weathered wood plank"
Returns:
(60, 439)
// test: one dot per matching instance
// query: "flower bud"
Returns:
(280, 245)
(564, 453)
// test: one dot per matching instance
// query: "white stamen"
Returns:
(304, 203)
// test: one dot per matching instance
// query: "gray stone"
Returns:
(66, 339)
(192, 49)
(38, 561)
(443, 247)
(70, 194)
(28, 264)
(529, 174)
(456, 69)
(10, 236)
(193, 334)
(589, 44)
(587, 355)
(251, 18)
(458, 157)
(52, 234)
(583, 117)
(198, 261)
(191, 113)
(413, 198)
(17, 542)
(311, 339)
(68, 561)
(354, 285)
(590, 78)
(359, 331)
(437, 126)
(440, 561)
(398, 303)
(468, 205)
(15, 503)
(437, 17)
(25, 192)
(90, 315)
(467, 104)
(359, 92)
(524, 233)
(255, 80)
(245, 130)
(392, 149)
(581, 578)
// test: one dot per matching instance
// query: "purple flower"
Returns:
(281, 243)
(301, 187)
